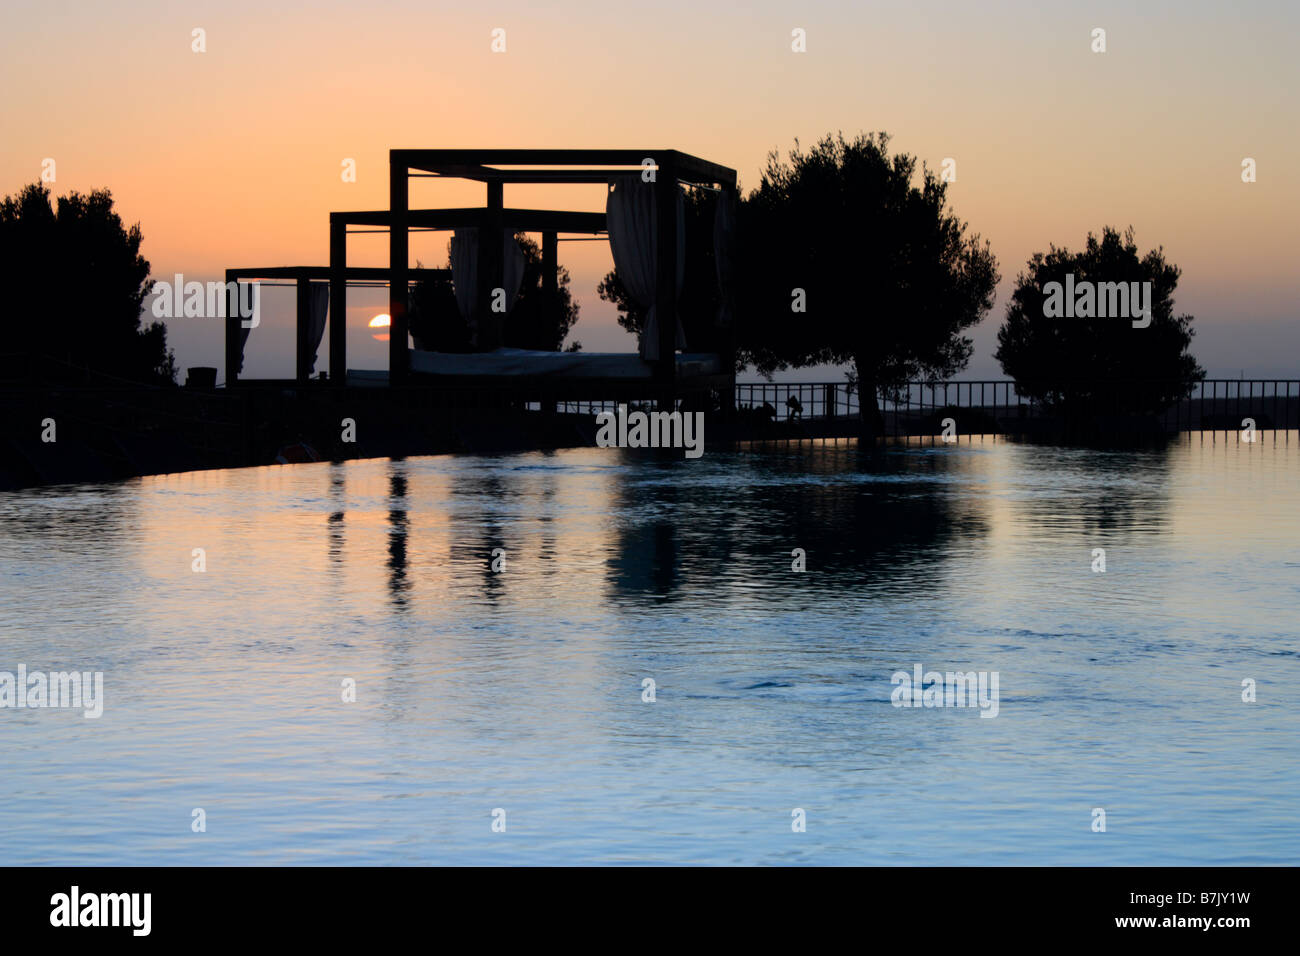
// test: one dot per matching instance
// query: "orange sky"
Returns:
(232, 157)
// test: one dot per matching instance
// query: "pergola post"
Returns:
(399, 358)
(550, 271)
(338, 301)
(550, 285)
(491, 268)
(232, 329)
(666, 270)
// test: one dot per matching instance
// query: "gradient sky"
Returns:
(232, 157)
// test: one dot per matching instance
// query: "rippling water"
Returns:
(522, 690)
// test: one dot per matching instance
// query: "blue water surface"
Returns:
(521, 689)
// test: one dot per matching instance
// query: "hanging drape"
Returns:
(513, 270)
(241, 298)
(464, 272)
(631, 217)
(318, 310)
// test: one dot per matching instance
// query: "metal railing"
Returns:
(998, 406)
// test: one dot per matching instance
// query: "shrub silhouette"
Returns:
(1084, 364)
(76, 284)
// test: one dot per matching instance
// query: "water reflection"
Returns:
(522, 688)
(861, 519)
(1100, 491)
(397, 531)
(338, 496)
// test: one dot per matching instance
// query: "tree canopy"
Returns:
(75, 284)
(1069, 361)
(847, 256)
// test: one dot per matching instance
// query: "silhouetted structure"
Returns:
(661, 373)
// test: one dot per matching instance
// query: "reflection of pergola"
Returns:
(494, 168)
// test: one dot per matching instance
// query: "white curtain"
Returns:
(631, 217)
(318, 294)
(243, 329)
(724, 245)
(319, 308)
(464, 272)
(514, 262)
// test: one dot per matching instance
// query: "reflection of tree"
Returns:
(1097, 490)
(647, 560)
(864, 520)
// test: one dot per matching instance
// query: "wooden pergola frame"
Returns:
(494, 168)
(485, 165)
(302, 277)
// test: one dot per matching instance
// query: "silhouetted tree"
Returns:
(1074, 363)
(75, 284)
(533, 323)
(889, 277)
(435, 321)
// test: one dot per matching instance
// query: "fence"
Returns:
(997, 405)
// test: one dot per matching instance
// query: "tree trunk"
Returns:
(871, 421)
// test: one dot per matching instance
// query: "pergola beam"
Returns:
(485, 174)
(689, 168)
(520, 220)
(319, 273)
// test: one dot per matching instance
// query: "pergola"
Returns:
(494, 168)
(302, 277)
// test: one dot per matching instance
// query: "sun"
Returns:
(381, 321)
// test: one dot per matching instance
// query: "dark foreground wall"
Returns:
(107, 433)
(101, 434)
